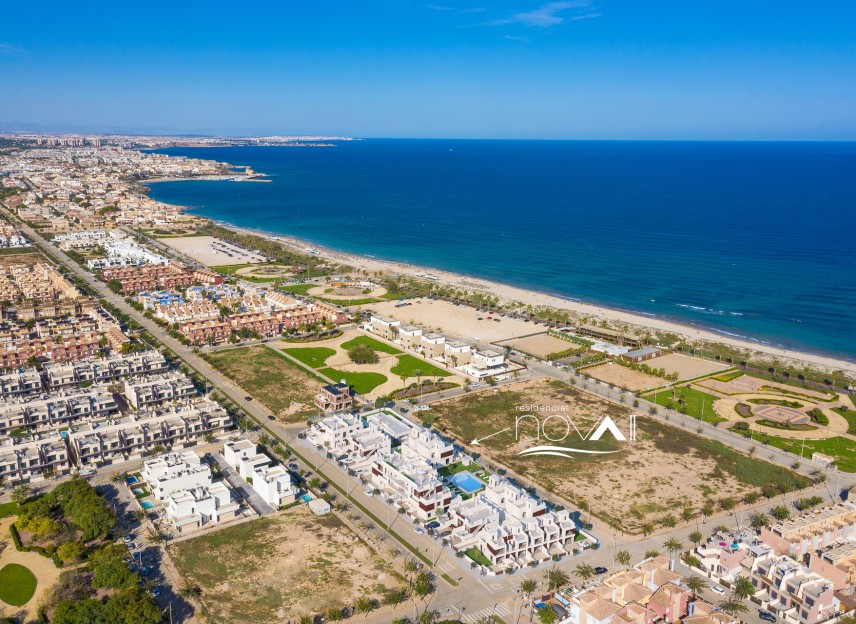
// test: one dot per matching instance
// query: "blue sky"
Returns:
(575, 69)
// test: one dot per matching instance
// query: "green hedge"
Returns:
(49, 552)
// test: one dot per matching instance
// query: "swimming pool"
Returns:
(138, 491)
(131, 480)
(306, 498)
(467, 482)
(147, 505)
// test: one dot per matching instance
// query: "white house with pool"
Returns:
(476, 511)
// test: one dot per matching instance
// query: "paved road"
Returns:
(474, 595)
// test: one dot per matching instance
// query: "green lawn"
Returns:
(8, 509)
(850, 416)
(362, 383)
(478, 556)
(842, 449)
(297, 289)
(349, 302)
(694, 401)
(729, 375)
(371, 343)
(311, 356)
(17, 584)
(408, 365)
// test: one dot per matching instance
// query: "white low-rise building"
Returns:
(196, 507)
(272, 483)
(173, 472)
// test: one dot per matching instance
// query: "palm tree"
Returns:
(546, 615)
(623, 557)
(155, 536)
(556, 578)
(584, 571)
(428, 616)
(21, 493)
(696, 584)
(732, 606)
(758, 520)
(189, 591)
(696, 537)
(673, 545)
(743, 588)
(364, 605)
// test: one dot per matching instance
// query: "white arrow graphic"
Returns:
(478, 441)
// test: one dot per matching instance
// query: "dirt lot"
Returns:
(540, 346)
(281, 386)
(686, 367)
(660, 474)
(451, 320)
(211, 251)
(280, 568)
(624, 377)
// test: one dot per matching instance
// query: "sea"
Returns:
(754, 240)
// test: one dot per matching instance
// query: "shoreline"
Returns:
(507, 292)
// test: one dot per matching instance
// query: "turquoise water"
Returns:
(306, 498)
(753, 240)
(467, 482)
(147, 505)
(130, 480)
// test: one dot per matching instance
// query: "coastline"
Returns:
(507, 292)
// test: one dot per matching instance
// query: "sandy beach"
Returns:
(508, 293)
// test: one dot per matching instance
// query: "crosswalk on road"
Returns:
(500, 610)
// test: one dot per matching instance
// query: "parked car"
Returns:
(716, 589)
(128, 538)
(156, 591)
(432, 525)
(766, 615)
(248, 398)
(600, 570)
(271, 417)
(368, 492)
(418, 531)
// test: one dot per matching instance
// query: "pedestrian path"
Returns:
(501, 610)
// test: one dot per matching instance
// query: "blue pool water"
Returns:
(130, 480)
(467, 482)
(306, 498)
(147, 505)
(137, 490)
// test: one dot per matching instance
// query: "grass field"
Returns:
(371, 343)
(850, 416)
(297, 289)
(842, 449)
(17, 584)
(349, 302)
(362, 383)
(280, 385)
(8, 509)
(409, 365)
(729, 375)
(698, 404)
(311, 356)
(281, 568)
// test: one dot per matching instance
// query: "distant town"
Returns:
(205, 424)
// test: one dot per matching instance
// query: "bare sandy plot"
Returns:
(212, 251)
(664, 471)
(749, 384)
(279, 568)
(350, 292)
(460, 322)
(686, 367)
(539, 346)
(624, 377)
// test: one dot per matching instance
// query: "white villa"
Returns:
(201, 505)
(272, 483)
(174, 472)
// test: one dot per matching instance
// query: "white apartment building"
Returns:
(272, 483)
(174, 472)
(158, 389)
(387, 328)
(20, 383)
(132, 437)
(511, 527)
(29, 460)
(413, 483)
(55, 411)
(335, 432)
(194, 508)
(104, 369)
